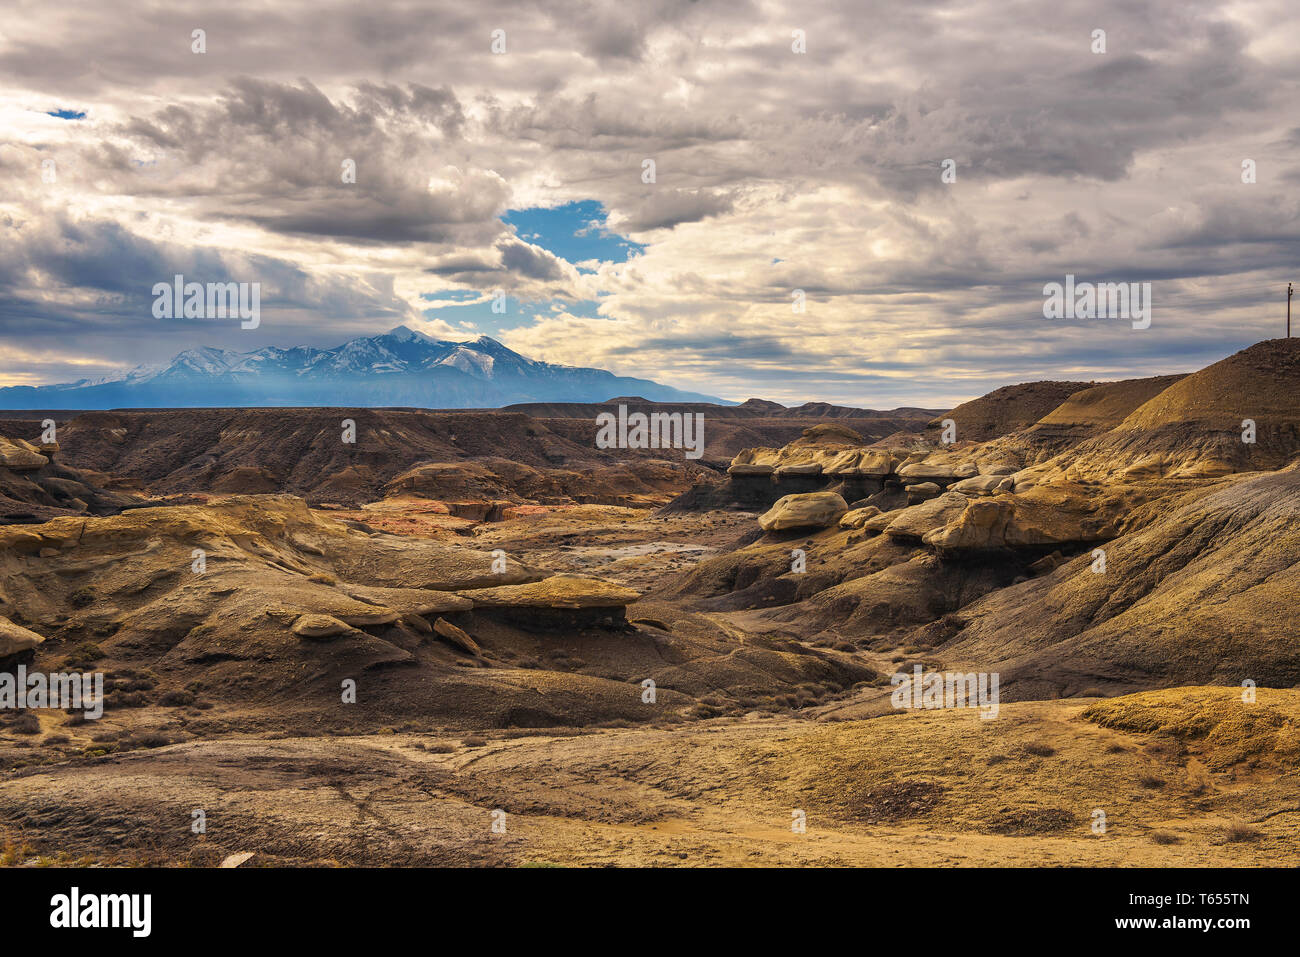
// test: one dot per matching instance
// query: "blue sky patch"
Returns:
(575, 232)
(67, 114)
(457, 308)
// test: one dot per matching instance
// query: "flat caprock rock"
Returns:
(558, 591)
(408, 601)
(20, 456)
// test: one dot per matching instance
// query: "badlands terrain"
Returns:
(475, 638)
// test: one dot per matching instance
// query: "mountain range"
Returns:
(399, 368)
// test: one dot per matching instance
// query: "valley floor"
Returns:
(922, 788)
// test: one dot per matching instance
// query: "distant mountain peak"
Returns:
(402, 367)
(407, 334)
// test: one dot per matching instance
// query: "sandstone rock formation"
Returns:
(17, 643)
(811, 510)
(557, 591)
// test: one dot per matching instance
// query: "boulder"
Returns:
(1048, 515)
(922, 492)
(746, 469)
(320, 626)
(981, 525)
(804, 510)
(983, 485)
(875, 524)
(857, 517)
(17, 640)
(915, 521)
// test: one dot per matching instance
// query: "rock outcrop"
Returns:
(17, 644)
(811, 510)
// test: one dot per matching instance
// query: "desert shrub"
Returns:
(473, 741)
(1038, 749)
(83, 656)
(125, 699)
(1151, 781)
(176, 699)
(82, 597)
(25, 723)
(439, 747)
(1022, 822)
(1238, 832)
(1165, 837)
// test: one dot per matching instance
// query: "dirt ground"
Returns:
(932, 788)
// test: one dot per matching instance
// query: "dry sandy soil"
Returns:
(922, 788)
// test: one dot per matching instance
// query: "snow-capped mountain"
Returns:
(399, 368)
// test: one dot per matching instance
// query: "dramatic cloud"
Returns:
(363, 163)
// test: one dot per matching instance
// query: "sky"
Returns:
(520, 176)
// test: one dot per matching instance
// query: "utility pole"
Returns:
(1288, 310)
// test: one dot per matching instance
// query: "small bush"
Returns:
(473, 741)
(1151, 781)
(1239, 833)
(1165, 837)
(1039, 749)
(83, 656)
(25, 723)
